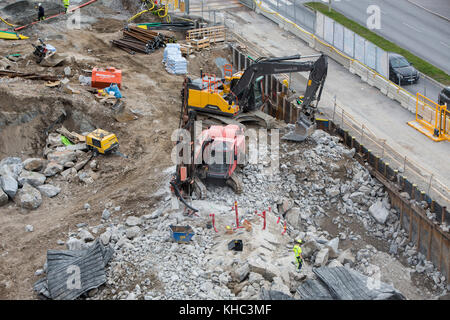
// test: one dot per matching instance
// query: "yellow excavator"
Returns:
(241, 93)
(104, 142)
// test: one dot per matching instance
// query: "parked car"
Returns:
(444, 97)
(401, 70)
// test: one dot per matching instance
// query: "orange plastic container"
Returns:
(104, 78)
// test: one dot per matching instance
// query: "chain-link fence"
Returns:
(295, 11)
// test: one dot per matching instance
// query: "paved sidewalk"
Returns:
(367, 105)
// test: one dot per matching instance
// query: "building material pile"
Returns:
(71, 273)
(341, 283)
(136, 39)
(175, 63)
(204, 37)
(29, 76)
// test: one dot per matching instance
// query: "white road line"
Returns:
(448, 46)
(409, 26)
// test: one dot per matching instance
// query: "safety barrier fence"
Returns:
(397, 173)
(432, 119)
(367, 74)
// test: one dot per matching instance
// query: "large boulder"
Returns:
(33, 178)
(333, 246)
(74, 244)
(379, 212)
(280, 287)
(346, 257)
(133, 232)
(9, 185)
(52, 169)
(34, 164)
(264, 268)
(3, 198)
(322, 258)
(11, 167)
(62, 157)
(241, 272)
(10, 160)
(357, 197)
(28, 197)
(309, 248)
(49, 190)
(293, 217)
(133, 221)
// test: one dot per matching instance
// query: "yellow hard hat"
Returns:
(228, 227)
(299, 241)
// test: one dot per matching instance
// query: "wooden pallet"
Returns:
(214, 34)
(200, 44)
(186, 48)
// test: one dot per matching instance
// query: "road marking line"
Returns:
(411, 27)
(448, 46)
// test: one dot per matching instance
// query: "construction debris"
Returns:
(341, 283)
(28, 76)
(83, 269)
(136, 39)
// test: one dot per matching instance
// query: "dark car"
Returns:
(444, 97)
(401, 71)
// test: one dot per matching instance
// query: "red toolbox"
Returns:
(104, 78)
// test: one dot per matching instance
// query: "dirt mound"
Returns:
(25, 119)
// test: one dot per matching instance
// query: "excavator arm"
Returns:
(268, 66)
(305, 125)
(306, 122)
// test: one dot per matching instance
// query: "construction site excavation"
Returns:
(153, 152)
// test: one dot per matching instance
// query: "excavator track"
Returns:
(235, 182)
(200, 188)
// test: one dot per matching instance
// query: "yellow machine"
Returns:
(242, 93)
(102, 141)
(213, 95)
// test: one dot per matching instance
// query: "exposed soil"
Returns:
(29, 107)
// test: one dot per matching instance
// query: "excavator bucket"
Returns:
(303, 129)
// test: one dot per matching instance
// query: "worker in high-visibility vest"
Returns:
(66, 4)
(298, 255)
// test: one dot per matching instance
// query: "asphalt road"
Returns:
(439, 7)
(403, 23)
(410, 27)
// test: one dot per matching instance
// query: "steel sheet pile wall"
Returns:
(425, 233)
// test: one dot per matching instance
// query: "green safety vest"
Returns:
(66, 3)
(297, 250)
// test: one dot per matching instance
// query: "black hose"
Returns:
(178, 194)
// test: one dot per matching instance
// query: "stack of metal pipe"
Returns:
(136, 39)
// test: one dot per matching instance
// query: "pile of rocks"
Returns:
(316, 178)
(22, 183)
(25, 182)
(319, 177)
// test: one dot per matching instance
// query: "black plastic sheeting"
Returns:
(273, 295)
(341, 283)
(61, 264)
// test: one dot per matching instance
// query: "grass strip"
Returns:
(420, 64)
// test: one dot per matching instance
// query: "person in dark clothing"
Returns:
(41, 12)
